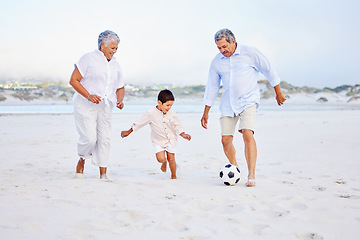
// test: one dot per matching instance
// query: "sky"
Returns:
(311, 43)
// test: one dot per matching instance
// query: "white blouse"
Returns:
(100, 76)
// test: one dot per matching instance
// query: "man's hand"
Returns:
(204, 121)
(280, 98)
(205, 117)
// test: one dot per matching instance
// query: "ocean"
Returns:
(179, 108)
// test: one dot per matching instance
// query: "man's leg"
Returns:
(246, 127)
(228, 125)
(229, 149)
(250, 155)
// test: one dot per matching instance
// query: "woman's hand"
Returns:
(94, 98)
(120, 105)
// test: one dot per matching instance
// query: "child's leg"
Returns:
(160, 157)
(172, 164)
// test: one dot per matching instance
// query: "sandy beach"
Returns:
(308, 181)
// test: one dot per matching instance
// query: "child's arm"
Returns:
(145, 119)
(185, 136)
(126, 133)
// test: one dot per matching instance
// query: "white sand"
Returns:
(308, 181)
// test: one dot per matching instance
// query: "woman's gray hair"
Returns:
(107, 37)
(224, 33)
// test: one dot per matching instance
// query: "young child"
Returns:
(165, 125)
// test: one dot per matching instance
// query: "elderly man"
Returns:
(238, 67)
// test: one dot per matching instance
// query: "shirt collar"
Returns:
(102, 54)
(237, 52)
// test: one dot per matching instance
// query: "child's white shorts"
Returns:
(169, 148)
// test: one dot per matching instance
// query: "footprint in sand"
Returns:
(319, 188)
(273, 214)
(288, 182)
(309, 236)
(347, 196)
(340, 181)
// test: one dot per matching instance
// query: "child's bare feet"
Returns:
(164, 166)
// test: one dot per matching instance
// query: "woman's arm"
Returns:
(75, 83)
(120, 93)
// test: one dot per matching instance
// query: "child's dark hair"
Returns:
(165, 95)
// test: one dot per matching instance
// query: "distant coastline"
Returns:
(55, 93)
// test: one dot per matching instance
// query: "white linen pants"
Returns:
(93, 122)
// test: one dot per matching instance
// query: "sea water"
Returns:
(179, 108)
(69, 109)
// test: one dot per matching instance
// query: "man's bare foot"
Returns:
(251, 182)
(103, 176)
(163, 166)
(173, 176)
(80, 166)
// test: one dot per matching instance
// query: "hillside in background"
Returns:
(61, 93)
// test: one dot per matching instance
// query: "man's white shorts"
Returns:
(246, 121)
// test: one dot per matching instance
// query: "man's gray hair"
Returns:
(224, 33)
(107, 37)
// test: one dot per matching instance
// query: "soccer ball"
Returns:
(230, 174)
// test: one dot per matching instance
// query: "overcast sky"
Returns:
(310, 43)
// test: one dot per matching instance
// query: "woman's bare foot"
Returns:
(80, 166)
(103, 171)
(80, 169)
(163, 166)
(173, 176)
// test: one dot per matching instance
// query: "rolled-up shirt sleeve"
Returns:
(144, 120)
(83, 64)
(262, 64)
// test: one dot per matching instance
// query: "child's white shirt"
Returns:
(164, 127)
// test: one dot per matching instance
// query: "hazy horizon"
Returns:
(309, 43)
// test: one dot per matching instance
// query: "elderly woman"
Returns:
(99, 84)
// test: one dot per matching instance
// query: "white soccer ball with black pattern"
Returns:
(230, 174)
